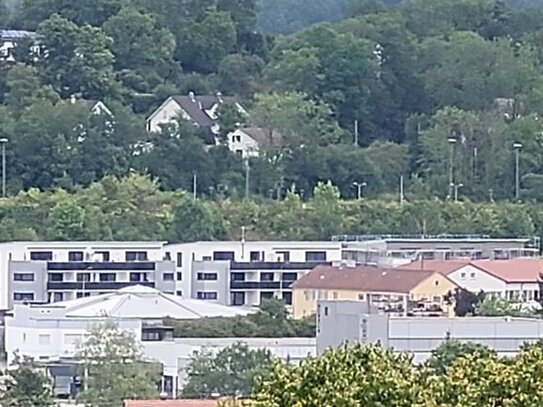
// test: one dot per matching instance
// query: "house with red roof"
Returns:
(515, 280)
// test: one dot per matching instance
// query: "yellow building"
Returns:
(393, 290)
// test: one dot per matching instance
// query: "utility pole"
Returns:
(356, 133)
(3, 141)
(456, 188)
(359, 186)
(194, 185)
(517, 147)
(401, 189)
(452, 142)
(247, 170)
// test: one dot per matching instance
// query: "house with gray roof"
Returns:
(9, 39)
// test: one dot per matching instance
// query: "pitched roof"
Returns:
(16, 34)
(511, 270)
(145, 303)
(264, 137)
(362, 278)
(444, 267)
(196, 106)
(514, 270)
(170, 403)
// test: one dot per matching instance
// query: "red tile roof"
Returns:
(520, 270)
(362, 278)
(170, 403)
(444, 267)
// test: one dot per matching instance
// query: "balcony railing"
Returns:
(261, 285)
(101, 266)
(273, 265)
(73, 285)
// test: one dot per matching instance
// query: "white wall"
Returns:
(474, 280)
(248, 146)
(167, 113)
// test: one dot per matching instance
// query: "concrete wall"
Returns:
(38, 287)
(219, 286)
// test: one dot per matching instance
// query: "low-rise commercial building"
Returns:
(340, 322)
(392, 290)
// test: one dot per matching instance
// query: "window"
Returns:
(207, 276)
(287, 297)
(179, 259)
(179, 293)
(335, 295)
(206, 295)
(206, 258)
(167, 276)
(135, 277)
(289, 276)
(238, 298)
(57, 297)
(266, 295)
(361, 296)
(266, 277)
(283, 256)
(136, 256)
(237, 276)
(462, 275)
(107, 277)
(57, 277)
(179, 276)
(72, 339)
(255, 256)
(236, 138)
(239, 152)
(472, 275)
(223, 256)
(44, 256)
(75, 256)
(436, 283)
(315, 256)
(104, 255)
(325, 311)
(44, 339)
(81, 294)
(167, 256)
(86, 277)
(23, 277)
(23, 296)
(150, 336)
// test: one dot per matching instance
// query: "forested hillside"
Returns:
(439, 90)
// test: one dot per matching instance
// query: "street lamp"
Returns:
(359, 186)
(517, 147)
(456, 187)
(452, 142)
(3, 141)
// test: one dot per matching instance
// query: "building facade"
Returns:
(340, 322)
(391, 290)
(395, 250)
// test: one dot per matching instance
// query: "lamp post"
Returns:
(517, 147)
(452, 142)
(3, 141)
(456, 187)
(359, 186)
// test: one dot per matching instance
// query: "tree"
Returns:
(206, 42)
(141, 48)
(26, 385)
(78, 59)
(232, 371)
(451, 350)
(465, 302)
(325, 213)
(347, 376)
(111, 355)
(194, 220)
(66, 220)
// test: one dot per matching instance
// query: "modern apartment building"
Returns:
(57, 271)
(244, 273)
(395, 250)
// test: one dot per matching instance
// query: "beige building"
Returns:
(404, 292)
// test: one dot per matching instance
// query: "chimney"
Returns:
(219, 97)
(192, 97)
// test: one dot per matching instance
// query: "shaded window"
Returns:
(44, 256)
(75, 256)
(23, 296)
(206, 295)
(23, 276)
(315, 256)
(223, 256)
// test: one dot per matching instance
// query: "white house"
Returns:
(9, 39)
(250, 141)
(516, 279)
(52, 333)
(200, 110)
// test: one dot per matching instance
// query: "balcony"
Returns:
(101, 266)
(79, 285)
(255, 285)
(277, 265)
